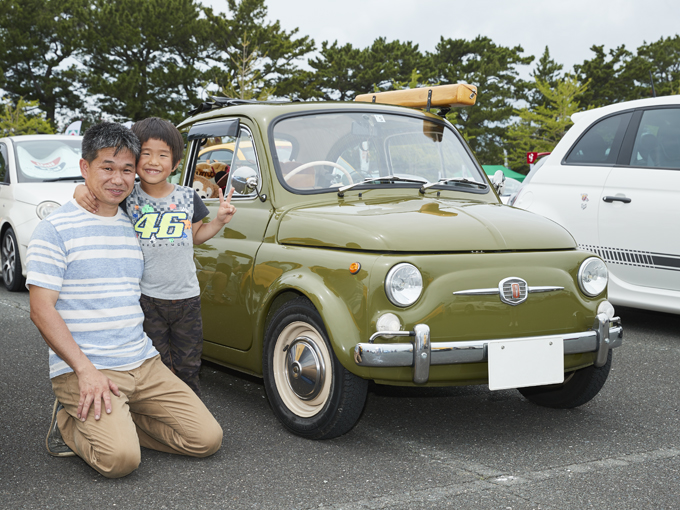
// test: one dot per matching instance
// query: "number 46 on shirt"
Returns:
(165, 226)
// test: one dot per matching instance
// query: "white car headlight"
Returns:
(593, 276)
(45, 208)
(403, 284)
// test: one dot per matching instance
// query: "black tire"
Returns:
(11, 262)
(578, 388)
(307, 403)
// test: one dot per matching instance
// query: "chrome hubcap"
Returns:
(305, 368)
(8, 259)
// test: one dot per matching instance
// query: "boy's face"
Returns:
(155, 161)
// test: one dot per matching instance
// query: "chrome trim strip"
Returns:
(476, 292)
(483, 292)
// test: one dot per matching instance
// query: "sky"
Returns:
(569, 28)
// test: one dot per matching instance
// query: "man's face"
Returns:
(110, 177)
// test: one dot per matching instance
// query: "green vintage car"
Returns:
(368, 244)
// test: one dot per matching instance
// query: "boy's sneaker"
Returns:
(54, 442)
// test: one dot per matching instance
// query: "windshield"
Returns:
(322, 152)
(48, 160)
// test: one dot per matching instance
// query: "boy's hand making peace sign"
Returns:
(226, 210)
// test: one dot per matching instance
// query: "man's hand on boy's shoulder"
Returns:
(226, 211)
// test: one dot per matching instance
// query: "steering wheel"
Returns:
(305, 166)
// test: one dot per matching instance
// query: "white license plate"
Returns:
(522, 362)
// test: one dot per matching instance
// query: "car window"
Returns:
(321, 152)
(218, 157)
(3, 163)
(657, 142)
(48, 160)
(245, 161)
(601, 143)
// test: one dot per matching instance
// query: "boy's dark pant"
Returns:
(176, 330)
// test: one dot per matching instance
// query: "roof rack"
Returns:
(221, 102)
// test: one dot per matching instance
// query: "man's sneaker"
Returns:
(54, 442)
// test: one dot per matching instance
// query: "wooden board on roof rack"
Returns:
(459, 94)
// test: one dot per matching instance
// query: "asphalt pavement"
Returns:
(415, 448)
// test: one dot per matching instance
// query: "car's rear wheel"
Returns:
(579, 387)
(11, 262)
(309, 390)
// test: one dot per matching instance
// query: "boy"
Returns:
(165, 215)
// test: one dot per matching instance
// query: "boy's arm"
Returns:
(204, 231)
(85, 198)
(94, 385)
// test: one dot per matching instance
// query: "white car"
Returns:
(614, 182)
(38, 173)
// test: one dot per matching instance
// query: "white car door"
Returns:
(569, 186)
(639, 208)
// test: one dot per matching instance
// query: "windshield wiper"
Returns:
(391, 178)
(462, 180)
(72, 178)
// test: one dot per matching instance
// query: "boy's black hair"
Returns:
(107, 135)
(160, 129)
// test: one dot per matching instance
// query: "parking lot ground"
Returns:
(413, 448)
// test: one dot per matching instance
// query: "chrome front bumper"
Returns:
(420, 353)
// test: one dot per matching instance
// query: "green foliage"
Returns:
(547, 71)
(24, 118)
(608, 76)
(342, 72)
(268, 54)
(540, 128)
(494, 70)
(37, 40)
(662, 59)
(143, 57)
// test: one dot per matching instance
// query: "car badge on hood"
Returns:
(512, 291)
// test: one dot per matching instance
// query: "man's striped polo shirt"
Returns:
(96, 264)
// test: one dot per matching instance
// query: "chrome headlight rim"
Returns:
(397, 299)
(581, 273)
(45, 208)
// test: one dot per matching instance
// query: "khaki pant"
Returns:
(155, 410)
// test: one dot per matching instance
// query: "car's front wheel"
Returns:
(309, 390)
(11, 262)
(578, 387)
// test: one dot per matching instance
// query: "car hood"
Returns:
(36, 192)
(421, 225)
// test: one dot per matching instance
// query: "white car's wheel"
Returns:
(11, 262)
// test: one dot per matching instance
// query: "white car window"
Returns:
(48, 160)
(3, 163)
(657, 143)
(600, 144)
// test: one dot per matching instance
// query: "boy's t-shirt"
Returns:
(163, 227)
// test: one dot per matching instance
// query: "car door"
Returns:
(225, 262)
(639, 207)
(569, 185)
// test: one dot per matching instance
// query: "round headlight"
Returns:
(593, 276)
(45, 208)
(403, 284)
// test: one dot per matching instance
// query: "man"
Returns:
(113, 391)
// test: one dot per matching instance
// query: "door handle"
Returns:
(625, 200)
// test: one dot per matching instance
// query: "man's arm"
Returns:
(204, 231)
(94, 386)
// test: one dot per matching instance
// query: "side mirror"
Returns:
(245, 181)
(498, 181)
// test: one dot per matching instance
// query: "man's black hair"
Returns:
(159, 129)
(107, 135)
